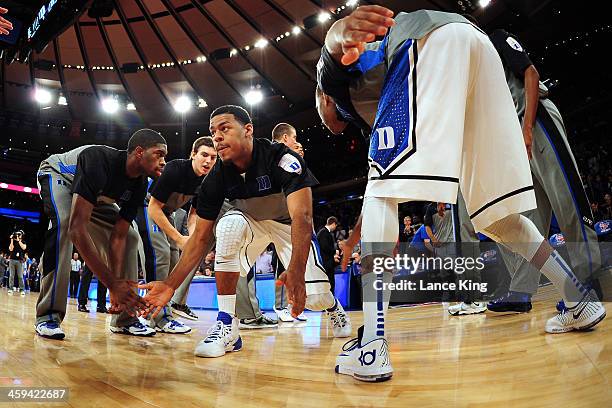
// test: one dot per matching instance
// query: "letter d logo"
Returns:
(386, 138)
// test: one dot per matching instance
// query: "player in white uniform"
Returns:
(445, 119)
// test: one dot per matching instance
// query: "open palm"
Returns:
(157, 297)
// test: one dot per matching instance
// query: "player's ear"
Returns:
(249, 129)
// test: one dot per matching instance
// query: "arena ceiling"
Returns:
(151, 52)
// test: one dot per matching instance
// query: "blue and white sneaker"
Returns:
(50, 330)
(135, 329)
(366, 362)
(585, 315)
(172, 326)
(222, 337)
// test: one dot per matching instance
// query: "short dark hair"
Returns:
(280, 129)
(239, 113)
(332, 220)
(145, 138)
(202, 141)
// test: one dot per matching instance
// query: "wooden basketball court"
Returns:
(439, 360)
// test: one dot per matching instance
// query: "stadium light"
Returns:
(110, 105)
(182, 104)
(253, 97)
(42, 96)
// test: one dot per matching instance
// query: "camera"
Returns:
(17, 234)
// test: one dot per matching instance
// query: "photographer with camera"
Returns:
(16, 257)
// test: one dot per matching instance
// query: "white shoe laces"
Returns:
(218, 331)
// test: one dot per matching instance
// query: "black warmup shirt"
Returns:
(511, 52)
(100, 176)
(177, 185)
(261, 192)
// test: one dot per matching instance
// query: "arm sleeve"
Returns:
(91, 175)
(165, 184)
(211, 194)
(291, 173)
(129, 208)
(334, 78)
(512, 53)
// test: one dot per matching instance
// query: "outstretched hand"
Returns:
(124, 299)
(158, 295)
(5, 25)
(296, 291)
(351, 33)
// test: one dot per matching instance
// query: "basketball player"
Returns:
(91, 195)
(268, 186)
(172, 190)
(460, 102)
(557, 182)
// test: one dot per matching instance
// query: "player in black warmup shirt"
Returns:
(268, 186)
(91, 195)
(175, 188)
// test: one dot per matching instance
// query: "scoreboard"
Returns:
(53, 18)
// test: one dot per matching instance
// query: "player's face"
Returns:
(204, 159)
(299, 149)
(153, 160)
(231, 138)
(326, 107)
(290, 140)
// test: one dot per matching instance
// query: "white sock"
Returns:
(560, 274)
(375, 305)
(227, 304)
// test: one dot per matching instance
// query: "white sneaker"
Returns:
(583, 316)
(284, 315)
(467, 308)
(223, 337)
(50, 330)
(301, 317)
(367, 362)
(22, 293)
(173, 326)
(10, 292)
(135, 329)
(341, 324)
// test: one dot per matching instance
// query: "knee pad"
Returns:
(320, 301)
(230, 232)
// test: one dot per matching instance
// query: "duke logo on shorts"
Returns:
(393, 138)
